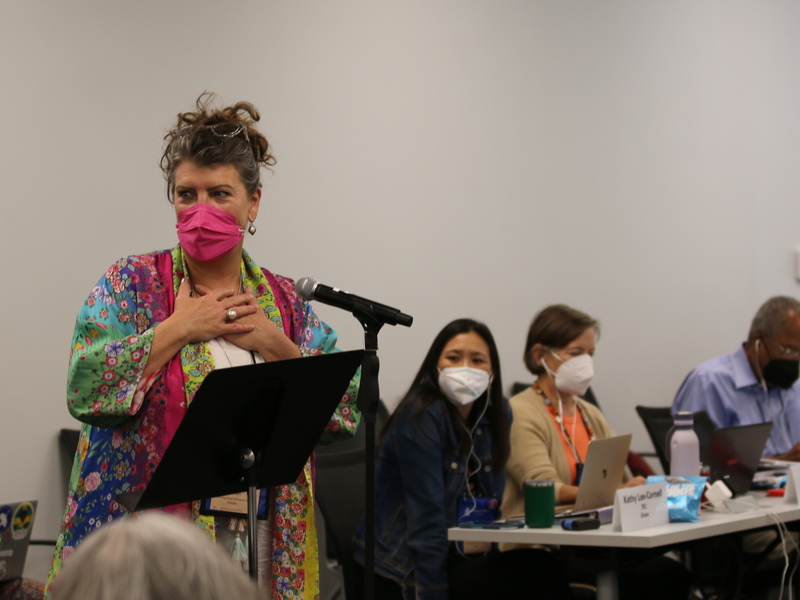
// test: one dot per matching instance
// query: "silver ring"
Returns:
(231, 315)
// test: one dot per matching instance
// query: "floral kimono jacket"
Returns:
(128, 423)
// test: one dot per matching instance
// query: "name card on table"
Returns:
(640, 507)
(792, 494)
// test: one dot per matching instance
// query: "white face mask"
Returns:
(463, 385)
(574, 376)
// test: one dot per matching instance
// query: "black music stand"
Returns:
(247, 428)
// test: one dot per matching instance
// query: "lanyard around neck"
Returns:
(558, 418)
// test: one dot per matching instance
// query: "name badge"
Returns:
(235, 505)
(640, 507)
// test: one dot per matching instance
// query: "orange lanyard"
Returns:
(554, 411)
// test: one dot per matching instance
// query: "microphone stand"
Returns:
(368, 399)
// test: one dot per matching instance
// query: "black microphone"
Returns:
(311, 289)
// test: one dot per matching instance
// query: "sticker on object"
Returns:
(23, 521)
(5, 518)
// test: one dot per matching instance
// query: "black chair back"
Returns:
(341, 493)
(658, 421)
(68, 446)
(341, 496)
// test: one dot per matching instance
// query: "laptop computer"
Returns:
(735, 453)
(602, 476)
(16, 522)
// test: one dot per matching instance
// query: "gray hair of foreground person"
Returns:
(153, 556)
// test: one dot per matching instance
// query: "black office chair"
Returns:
(658, 421)
(340, 493)
(68, 445)
(346, 459)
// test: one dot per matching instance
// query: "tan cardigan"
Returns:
(536, 450)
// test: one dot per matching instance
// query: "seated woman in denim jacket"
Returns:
(443, 450)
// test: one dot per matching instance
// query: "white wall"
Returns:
(635, 159)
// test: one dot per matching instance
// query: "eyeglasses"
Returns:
(223, 130)
(788, 352)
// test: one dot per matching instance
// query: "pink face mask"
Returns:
(207, 233)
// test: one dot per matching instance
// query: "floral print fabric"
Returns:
(129, 423)
(21, 589)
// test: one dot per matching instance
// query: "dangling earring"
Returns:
(252, 229)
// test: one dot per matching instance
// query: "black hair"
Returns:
(425, 390)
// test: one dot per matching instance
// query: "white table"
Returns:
(711, 524)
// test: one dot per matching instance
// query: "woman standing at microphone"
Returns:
(156, 324)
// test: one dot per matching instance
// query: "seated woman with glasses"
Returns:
(442, 459)
(157, 324)
(553, 427)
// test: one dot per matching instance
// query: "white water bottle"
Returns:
(684, 447)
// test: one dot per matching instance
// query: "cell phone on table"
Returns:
(499, 524)
(580, 524)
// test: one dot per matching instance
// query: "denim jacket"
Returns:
(420, 477)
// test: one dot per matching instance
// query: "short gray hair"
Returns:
(772, 315)
(153, 556)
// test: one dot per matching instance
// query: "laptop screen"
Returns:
(734, 454)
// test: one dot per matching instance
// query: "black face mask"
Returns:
(781, 371)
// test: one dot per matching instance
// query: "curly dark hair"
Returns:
(218, 136)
